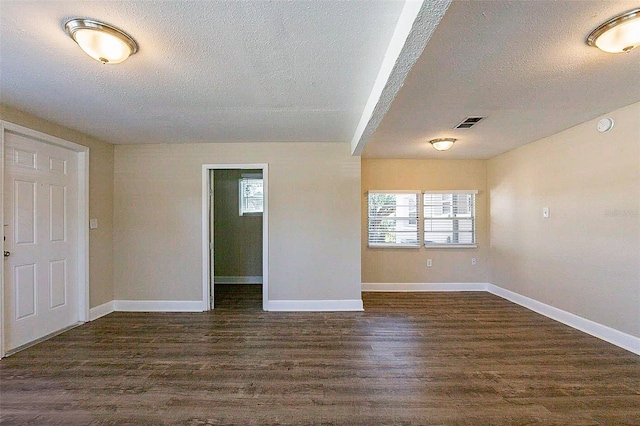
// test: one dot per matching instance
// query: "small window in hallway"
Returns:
(251, 196)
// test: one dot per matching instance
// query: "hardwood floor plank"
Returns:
(409, 359)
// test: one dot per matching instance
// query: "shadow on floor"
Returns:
(238, 297)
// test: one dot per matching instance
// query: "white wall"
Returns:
(585, 258)
(314, 211)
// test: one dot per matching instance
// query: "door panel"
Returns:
(58, 282)
(57, 165)
(40, 210)
(25, 288)
(25, 212)
(57, 208)
(26, 159)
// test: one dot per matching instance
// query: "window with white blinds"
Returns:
(393, 218)
(251, 196)
(449, 218)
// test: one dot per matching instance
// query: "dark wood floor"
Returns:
(409, 359)
(238, 297)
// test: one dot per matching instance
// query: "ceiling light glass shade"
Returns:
(101, 41)
(442, 144)
(619, 34)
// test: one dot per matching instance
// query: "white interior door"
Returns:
(40, 215)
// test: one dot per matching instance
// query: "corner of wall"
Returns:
(591, 183)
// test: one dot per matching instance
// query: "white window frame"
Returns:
(453, 219)
(407, 218)
(241, 197)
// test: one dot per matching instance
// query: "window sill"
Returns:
(393, 246)
(451, 246)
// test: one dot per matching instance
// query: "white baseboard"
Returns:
(101, 310)
(314, 305)
(608, 334)
(407, 287)
(237, 280)
(159, 305)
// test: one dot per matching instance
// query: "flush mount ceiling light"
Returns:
(442, 144)
(101, 41)
(618, 34)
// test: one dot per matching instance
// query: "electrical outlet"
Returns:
(473, 260)
(429, 263)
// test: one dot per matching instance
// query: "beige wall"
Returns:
(237, 239)
(394, 265)
(585, 258)
(100, 199)
(313, 220)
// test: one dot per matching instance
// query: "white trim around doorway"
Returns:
(206, 229)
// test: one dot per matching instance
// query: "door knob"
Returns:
(7, 253)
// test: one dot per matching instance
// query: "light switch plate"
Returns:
(93, 223)
(545, 212)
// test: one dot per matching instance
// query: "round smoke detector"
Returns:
(605, 125)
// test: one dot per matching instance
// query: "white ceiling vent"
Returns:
(469, 122)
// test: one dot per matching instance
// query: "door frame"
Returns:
(207, 229)
(82, 153)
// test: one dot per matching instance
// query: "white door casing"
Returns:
(207, 231)
(45, 284)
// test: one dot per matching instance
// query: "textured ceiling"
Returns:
(207, 71)
(321, 70)
(524, 64)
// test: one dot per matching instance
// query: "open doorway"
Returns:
(236, 236)
(237, 201)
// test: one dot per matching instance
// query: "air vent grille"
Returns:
(469, 122)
